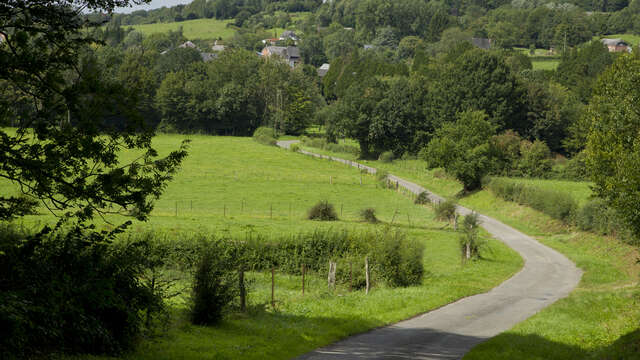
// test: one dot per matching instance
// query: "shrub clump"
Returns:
(214, 287)
(470, 242)
(70, 290)
(369, 215)
(445, 210)
(265, 136)
(294, 147)
(386, 157)
(556, 204)
(323, 211)
(423, 198)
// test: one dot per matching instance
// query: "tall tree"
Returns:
(65, 151)
(613, 145)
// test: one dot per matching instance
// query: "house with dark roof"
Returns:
(289, 35)
(616, 45)
(290, 54)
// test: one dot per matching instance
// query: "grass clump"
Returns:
(294, 147)
(369, 215)
(470, 242)
(445, 210)
(214, 288)
(386, 157)
(265, 136)
(323, 211)
(423, 198)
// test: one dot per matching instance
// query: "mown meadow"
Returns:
(234, 188)
(599, 319)
(205, 29)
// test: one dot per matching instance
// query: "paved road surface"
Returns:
(451, 331)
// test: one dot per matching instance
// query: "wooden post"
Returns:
(331, 280)
(394, 216)
(350, 276)
(273, 286)
(468, 250)
(243, 294)
(366, 274)
(331, 180)
(303, 270)
(455, 222)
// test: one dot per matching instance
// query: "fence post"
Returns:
(273, 285)
(350, 276)
(332, 275)
(331, 180)
(303, 269)
(243, 294)
(366, 274)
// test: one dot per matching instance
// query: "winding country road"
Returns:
(451, 331)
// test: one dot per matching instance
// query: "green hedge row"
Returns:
(594, 216)
(393, 258)
(556, 204)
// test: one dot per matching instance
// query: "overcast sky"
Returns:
(154, 4)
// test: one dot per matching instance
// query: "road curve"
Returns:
(451, 331)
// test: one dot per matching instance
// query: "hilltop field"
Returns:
(205, 29)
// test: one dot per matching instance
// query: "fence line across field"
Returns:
(280, 210)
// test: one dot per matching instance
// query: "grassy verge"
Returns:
(600, 319)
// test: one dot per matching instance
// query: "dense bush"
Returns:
(394, 259)
(322, 143)
(386, 157)
(369, 215)
(214, 286)
(322, 211)
(422, 198)
(556, 204)
(445, 210)
(596, 216)
(70, 291)
(265, 136)
(471, 245)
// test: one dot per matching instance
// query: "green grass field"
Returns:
(598, 320)
(545, 64)
(228, 186)
(203, 29)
